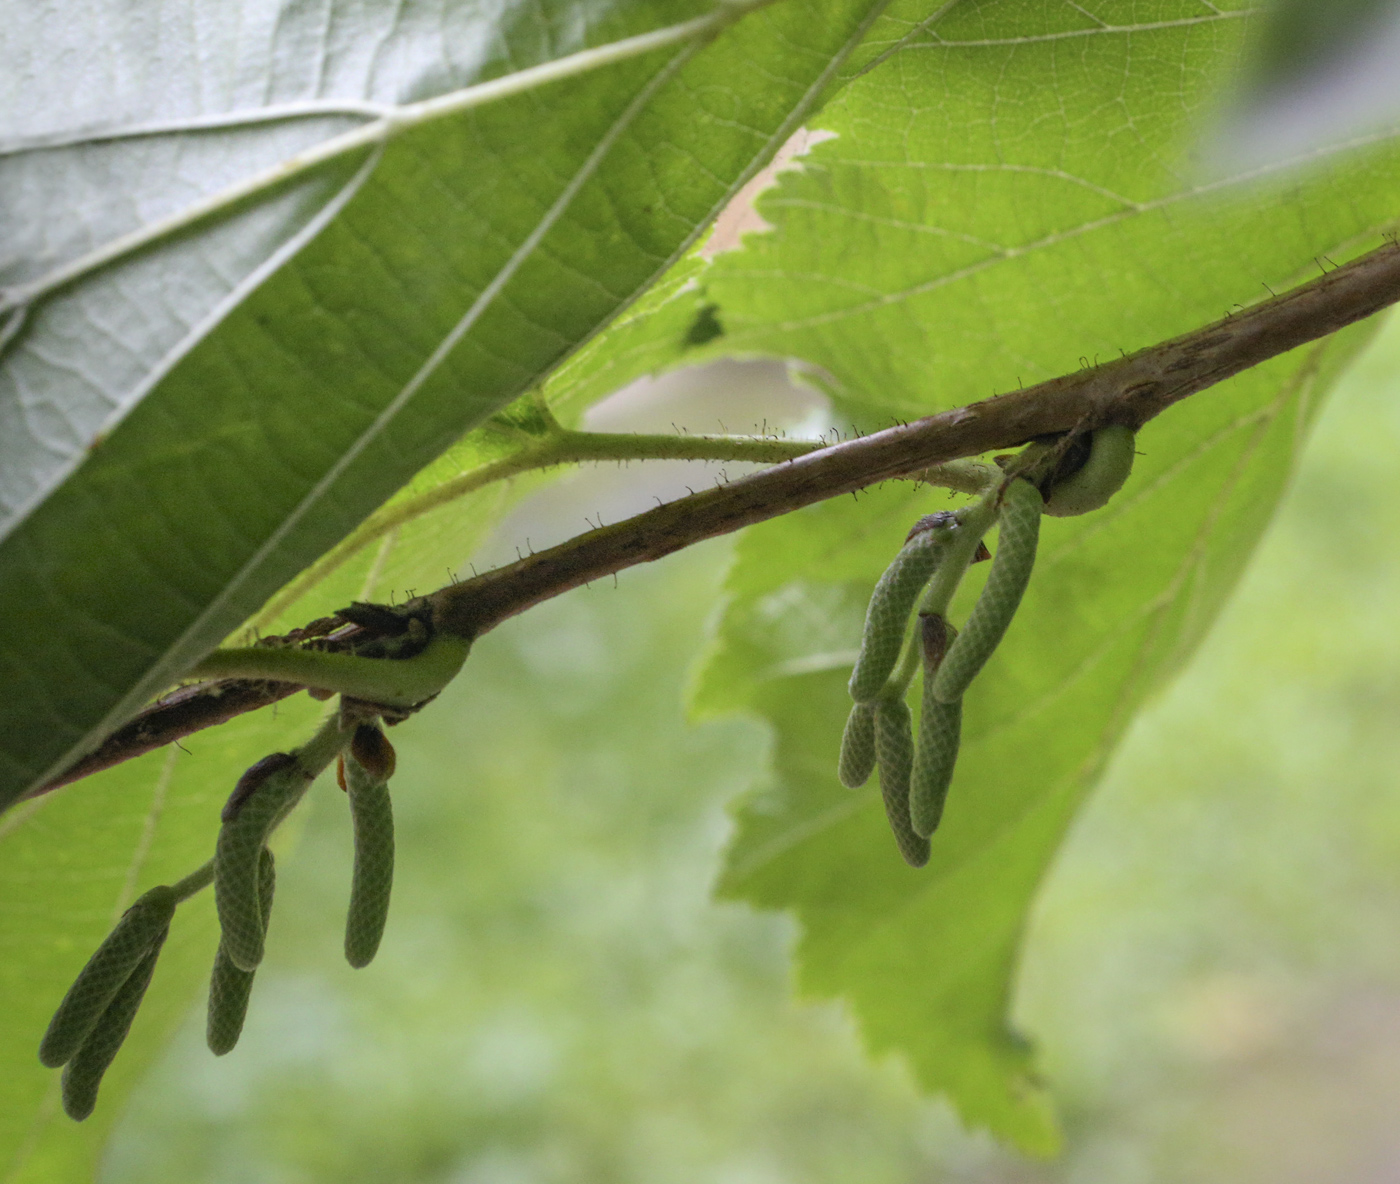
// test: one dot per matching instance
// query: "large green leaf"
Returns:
(1007, 199)
(189, 426)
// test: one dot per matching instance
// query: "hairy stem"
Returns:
(558, 447)
(1128, 392)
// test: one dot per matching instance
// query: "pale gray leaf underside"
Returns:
(124, 113)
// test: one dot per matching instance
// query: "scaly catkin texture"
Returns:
(116, 959)
(894, 748)
(890, 605)
(237, 858)
(940, 731)
(935, 756)
(82, 1076)
(230, 987)
(1006, 584)
(373, 878)
(252, 779)
(858, 746)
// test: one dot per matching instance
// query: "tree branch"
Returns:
(1129, 391)
(558, 446)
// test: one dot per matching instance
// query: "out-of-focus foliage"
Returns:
(1214, 969)
(1320, 71)
(1211, 972)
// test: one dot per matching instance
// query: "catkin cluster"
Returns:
(96, 1014)
(92, 1021)
(916, 770)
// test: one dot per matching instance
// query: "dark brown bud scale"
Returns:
(378, 619)
(941, 520)
(250, 781)
(371, 748)
(936, 635)
(944, 520)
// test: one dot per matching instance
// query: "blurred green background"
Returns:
(1212, 974)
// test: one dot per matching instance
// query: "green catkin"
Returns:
(894, 749)
(1006, 583)
(373, 878)
(940, 730)
(936, 755)
(82, 1076)
(98, 983)
(237, 860)
(1110, 462)
(890, 605)
(230, 987)
(858, 746)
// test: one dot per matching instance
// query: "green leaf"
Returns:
(1009, 200)
(651, 336)
(1004, 201)
(409, 545)
(208, 414)
(1118, 600)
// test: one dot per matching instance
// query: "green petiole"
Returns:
(395, 682)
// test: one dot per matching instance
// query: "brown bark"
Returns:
(1129, 391)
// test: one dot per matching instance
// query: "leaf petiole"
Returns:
(395, 682)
